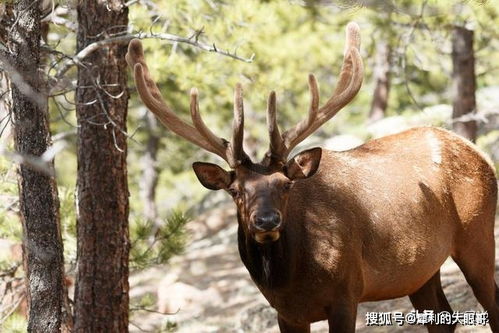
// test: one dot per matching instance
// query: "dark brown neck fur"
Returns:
(268, 264)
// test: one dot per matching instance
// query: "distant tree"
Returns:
(150, 173)
(39, 204)
(463, 83)
(101, 295)
(381, 77)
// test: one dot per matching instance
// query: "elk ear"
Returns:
(304, 164)
(212, 176)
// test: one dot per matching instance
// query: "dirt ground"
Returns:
(209, 290)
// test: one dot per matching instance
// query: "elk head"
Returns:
(260, 190)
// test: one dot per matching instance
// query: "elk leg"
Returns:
(431, 297)
(287, 327)
(341, 319)
(478, 265)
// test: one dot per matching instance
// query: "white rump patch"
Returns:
(435, 148)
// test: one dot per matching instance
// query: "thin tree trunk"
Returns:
(150, 171)
(5, 91)
(39, 204)
(101, 295)
(463, 83)
(5, 107)
(382, 81)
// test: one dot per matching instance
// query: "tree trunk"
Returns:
(5, 107)
(381, 80)
(5, 91)
(39, 204)
(150, 171)
(101, 295)
(463, 83)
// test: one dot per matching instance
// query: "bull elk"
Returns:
(323, 231)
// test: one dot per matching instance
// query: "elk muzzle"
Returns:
(266, 226)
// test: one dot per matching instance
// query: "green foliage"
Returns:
(146, 301)
(152, 245)
(15, 323)
(10, 227)
(68, 223)
(169, 327)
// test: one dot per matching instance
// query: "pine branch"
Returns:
(78, 58)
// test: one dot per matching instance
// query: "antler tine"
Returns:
(352, 44)
(314, 98)
(276, 143)
(349, 83)
(237, 153)
(201, 126)
(151, 96)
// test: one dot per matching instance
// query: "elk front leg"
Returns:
(287, 327)
(341, 318)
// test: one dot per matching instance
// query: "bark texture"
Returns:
(381, 80)
(39, 204)
(463, 83)
(101, 295)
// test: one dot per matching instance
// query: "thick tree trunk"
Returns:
(101, 295)
(39, 204)
(381, 80)
(463, 83)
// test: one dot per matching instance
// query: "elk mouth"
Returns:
(267, 237)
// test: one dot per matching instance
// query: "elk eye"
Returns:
(288, 185)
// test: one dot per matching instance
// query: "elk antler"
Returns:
(348, 85)
(200, 134)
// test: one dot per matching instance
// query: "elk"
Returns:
(324, 231)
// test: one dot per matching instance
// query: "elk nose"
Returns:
(267, 221)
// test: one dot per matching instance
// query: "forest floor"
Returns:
(209, 290)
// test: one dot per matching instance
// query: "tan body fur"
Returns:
(378, 221)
